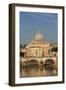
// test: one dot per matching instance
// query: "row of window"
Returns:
(37, 53)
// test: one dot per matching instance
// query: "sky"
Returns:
(32, 22)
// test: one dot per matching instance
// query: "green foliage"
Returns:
(54, 49)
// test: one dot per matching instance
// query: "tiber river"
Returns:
(36, 72)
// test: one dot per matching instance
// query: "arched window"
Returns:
(49, 51)
(42, 53)
(36, 52)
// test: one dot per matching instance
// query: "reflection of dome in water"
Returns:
(38, 36)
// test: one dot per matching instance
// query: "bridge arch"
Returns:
(49, 61)
(49, 64)
(33, 62)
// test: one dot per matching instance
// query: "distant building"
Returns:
(39, 50)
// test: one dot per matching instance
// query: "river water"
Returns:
(36, 72)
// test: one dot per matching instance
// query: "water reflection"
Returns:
(36, 72)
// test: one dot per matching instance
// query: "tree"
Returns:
(24, 46)
(54, 49)
(21, 46)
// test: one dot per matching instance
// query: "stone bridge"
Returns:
(38, 60)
